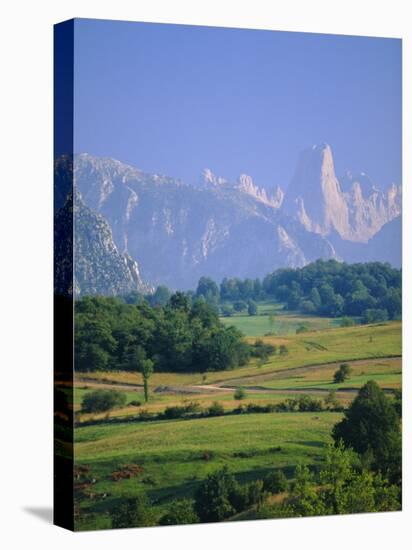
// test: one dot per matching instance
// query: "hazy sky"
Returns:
(175, 99)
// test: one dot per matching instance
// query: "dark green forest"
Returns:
(182, 336)
(332, 288)
(372, 291)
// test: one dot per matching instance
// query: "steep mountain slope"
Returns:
(179, 232)
(354, 207)
(384, 246)
(244, 184)
(98, 266)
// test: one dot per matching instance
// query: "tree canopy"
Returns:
(371, 427)
(182, 336)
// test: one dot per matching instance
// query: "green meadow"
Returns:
(176, 455)
(172, 457)
(272, 319)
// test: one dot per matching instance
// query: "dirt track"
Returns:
(230, 385)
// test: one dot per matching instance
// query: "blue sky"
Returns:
(175, 99)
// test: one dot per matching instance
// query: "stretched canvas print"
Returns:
(227, 274)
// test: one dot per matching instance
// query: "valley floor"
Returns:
(169, 458)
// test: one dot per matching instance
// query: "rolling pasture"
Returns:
(171, 457)
(272, 318)
(175, 455)
(329, 346)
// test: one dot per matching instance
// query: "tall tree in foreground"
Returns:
(136, 360)
(371, 427)
(146, 368)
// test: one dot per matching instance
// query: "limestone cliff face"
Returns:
(247, 185)
(370, 209)
(314, 196)
(99, 267)
(355, 209)
(136, 227)
(244, 184)
(87, 261)
(179, 232)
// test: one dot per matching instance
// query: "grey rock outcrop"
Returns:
(355, 209)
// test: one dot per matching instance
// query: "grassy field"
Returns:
(251, 445)
(175, 455)
(309, 348)
(386, 372)
(272, 319)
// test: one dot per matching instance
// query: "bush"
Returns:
(342, 374)
(239, 306)
(374, 316)
(397, 402)
(181, 411)
(304, 403)
(102, 400)
(181, 513)
(251, 408)
(136, 512)
(239, 394)
(227, 310)
(331, 402)
(192, 407)
(307, 306)
(252, 308)
(339, 488)
(174, 412)
(347, 322)
(144, 414)
(219, 496)
(302, 328)
(135, 403)
(289, 405)
(256, 493)
(216, 409)
(283, 350)
(262, 350)
(275, 482)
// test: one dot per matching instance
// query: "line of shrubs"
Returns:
(192, 410)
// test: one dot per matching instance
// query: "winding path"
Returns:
(229, 385)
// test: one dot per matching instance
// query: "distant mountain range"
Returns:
(135, 230)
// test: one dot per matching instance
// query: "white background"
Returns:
(26, 271)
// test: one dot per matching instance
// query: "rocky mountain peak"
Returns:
(350, 183)
(209, 178)
(326, 159)
(314, 195)
(246, 185)
(352, 206)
